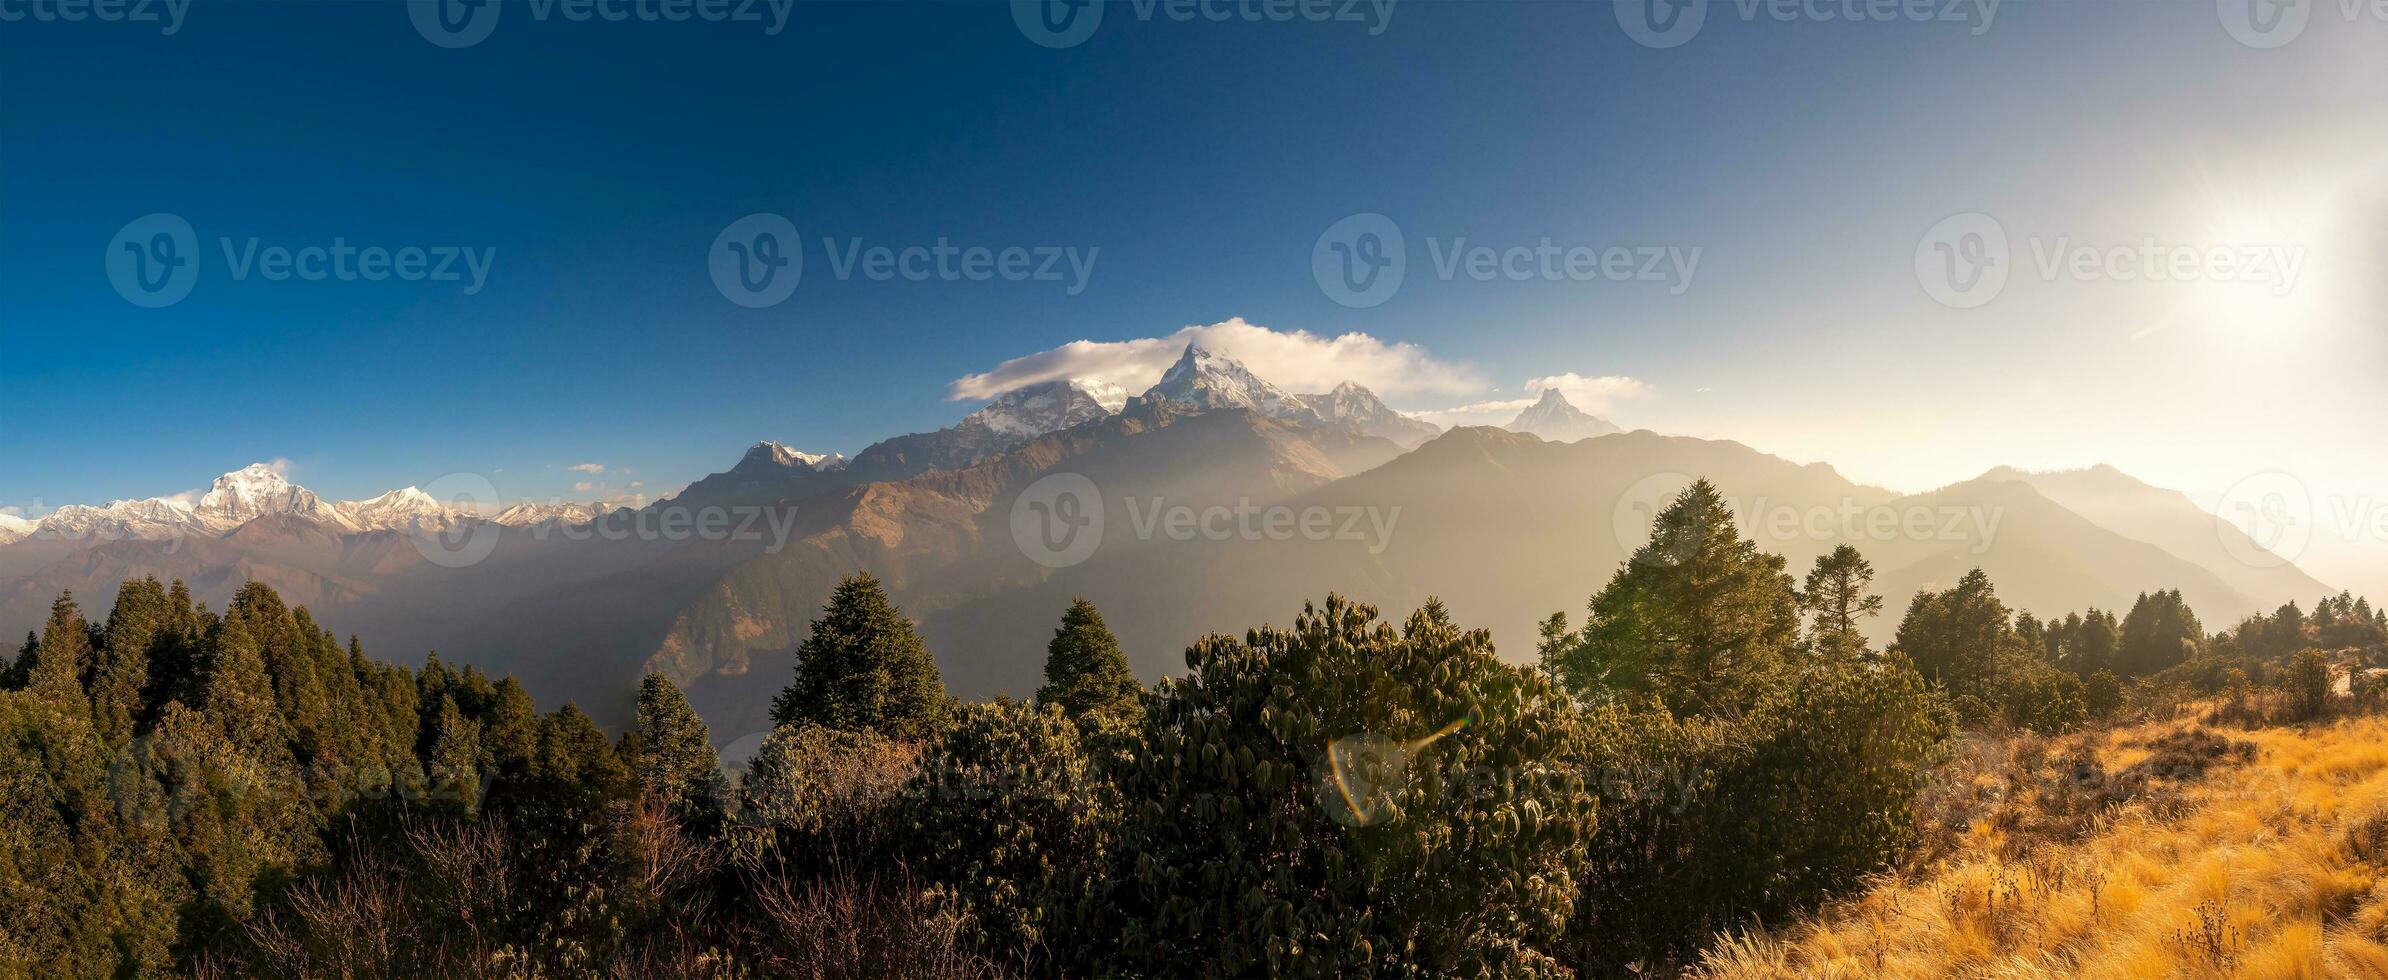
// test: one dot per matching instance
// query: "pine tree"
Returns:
(117, 687)
(236, 696)
(864, 669)
(1698, 616)
(676, 763)
(21, 667)
(62, 659)
(1087, 676)
(1553, 641)
(1836, 595)
(454, 767)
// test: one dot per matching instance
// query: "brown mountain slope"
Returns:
(2169, 520)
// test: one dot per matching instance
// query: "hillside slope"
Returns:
(2273, 863)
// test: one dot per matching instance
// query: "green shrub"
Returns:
(2058, 703)
(1009, 822)
(1342, 799)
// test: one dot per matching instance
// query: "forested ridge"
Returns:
(1711, 743)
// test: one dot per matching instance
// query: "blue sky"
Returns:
(1199, 163)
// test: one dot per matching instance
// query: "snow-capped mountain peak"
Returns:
(1360, 409)
(254, 491)
(1209, 380)
(1049, 406)
(407, 509)
(14, 528)
(772, 453)
(1555, 419)
(526, 514)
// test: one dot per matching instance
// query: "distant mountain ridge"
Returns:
(1555, 419)
(1360, 409)
(1506, 526)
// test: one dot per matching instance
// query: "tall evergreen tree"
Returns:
(2160, 631)
(2092, 645)
(1087, 676)
(864, 669)
(1836, 595)
(62, 659)
(1699, 615)
(1552, 641)
(117, 686)
(1960, 635)
(454, 767)
(20, 667)
(676, 763)
(236, 696)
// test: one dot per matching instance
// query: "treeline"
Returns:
(241, 794)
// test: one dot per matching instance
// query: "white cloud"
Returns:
(1295, 360)
(1597, 395)
(1476, 413)
(584, 487)
(1594, 395)
(591, 469)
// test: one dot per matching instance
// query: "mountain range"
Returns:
(1224, 501)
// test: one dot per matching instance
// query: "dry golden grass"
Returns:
(2273, 867)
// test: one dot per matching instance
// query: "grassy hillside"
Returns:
(2169, 848)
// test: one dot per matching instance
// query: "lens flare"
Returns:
(1365, 773)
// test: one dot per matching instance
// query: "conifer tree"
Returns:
(1836, 595)
(864, 669)
(1552, 643)
(21, 666)
(122, 676)
(61, 659)
(1087, 676)
(676, 763)
(454, 767)
(1698, 616)
(236, 696)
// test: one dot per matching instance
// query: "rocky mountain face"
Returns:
(1556, 420)
(1360, 409)
(1051, 406)
(1204, 380)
